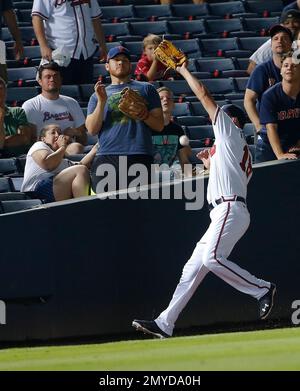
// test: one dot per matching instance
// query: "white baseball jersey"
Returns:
(68, 24)
(263, 53)
(230, 160)
(64, 112)
(230, 171)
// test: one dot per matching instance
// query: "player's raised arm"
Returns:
(199, 90)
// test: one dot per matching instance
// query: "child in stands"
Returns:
(148, 67)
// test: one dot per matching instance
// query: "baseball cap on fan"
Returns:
(113, 52)
(290, 14)
(277, 28)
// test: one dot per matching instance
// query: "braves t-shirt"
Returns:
(278, 108)
(64, 112)
(120, 135)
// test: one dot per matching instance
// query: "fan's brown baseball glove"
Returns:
(133, 105)
(169, 55)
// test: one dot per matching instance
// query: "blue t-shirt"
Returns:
(278, 108)
(119, 134)
(263, 77)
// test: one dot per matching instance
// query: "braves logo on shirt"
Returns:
(288, 114)
(58, 116)
(73, 3)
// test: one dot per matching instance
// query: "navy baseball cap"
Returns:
(113, 52)
(277, 28)
(235, 111)
(290, 14)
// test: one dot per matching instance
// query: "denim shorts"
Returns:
(44, 190)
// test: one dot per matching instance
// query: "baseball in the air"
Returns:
(184, 141)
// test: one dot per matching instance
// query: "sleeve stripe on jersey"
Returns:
(39, 14)
(216, 115)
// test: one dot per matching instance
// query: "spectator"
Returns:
(148, 65)
(49, 175)
(6, 10)
(290, 20)
(166, 146)
(16, 135)
(71, 26)
(120, 136)
(50, 106)
(295, 5)
(267, 74)
(280, 116)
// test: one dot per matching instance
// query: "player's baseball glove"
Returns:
(169, 55)
(133, 104)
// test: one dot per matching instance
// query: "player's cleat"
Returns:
(266, 302)
(149, 327)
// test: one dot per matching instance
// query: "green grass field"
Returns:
(258, 350)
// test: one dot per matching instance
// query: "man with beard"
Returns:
(289, 19)
(123, 141)
(50, 107)
(267, 74)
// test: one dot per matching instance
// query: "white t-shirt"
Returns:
(68, 24)
(33, 173)
(263, 53)
(64, 111)
(230, 160)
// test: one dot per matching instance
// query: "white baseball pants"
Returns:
(229, 222)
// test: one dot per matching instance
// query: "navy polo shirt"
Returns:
(263, 77)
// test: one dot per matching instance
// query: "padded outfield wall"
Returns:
(88, 267)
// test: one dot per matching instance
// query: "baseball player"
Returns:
(70, 26)
(230, 170)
